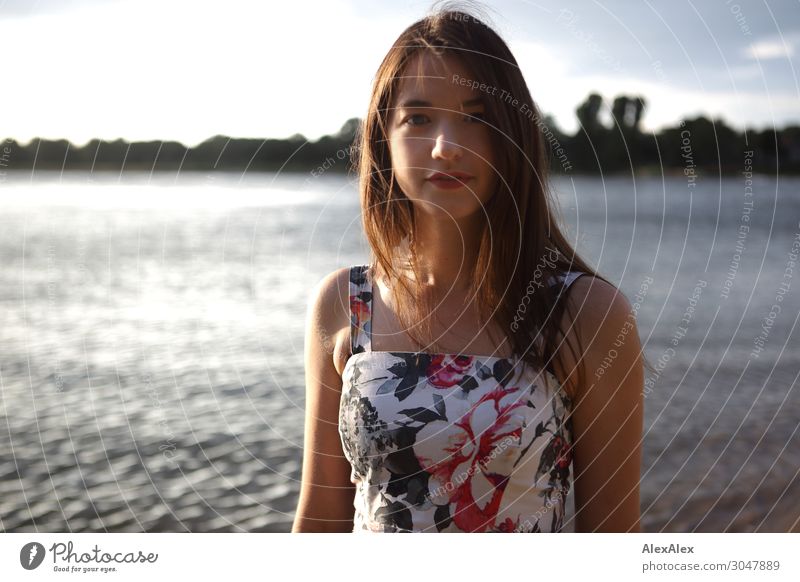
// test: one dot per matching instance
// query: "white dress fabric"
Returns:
(451, 443)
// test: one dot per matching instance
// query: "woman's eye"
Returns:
(420, 119)
(416, 119)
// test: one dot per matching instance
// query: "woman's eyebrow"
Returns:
(411, 103)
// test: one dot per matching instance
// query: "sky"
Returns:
(188, 70)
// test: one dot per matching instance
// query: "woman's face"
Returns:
(435, 131)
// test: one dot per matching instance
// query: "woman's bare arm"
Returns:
(326, 493)
(607, 408)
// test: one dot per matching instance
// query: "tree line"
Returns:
(701, 144)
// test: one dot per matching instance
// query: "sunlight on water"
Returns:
(140, 191)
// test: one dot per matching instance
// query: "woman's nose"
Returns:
(445, 148)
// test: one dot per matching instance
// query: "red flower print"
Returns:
(445, 371)
(563, 452)
(508, 525)
(360, 311)
(471, 459)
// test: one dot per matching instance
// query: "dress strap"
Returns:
(570, 277)
(360, 309)
(566, 279)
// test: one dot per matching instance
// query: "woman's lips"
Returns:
(447, 182)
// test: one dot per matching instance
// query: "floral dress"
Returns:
(451, 443)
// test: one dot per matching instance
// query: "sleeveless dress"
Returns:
(448, 442)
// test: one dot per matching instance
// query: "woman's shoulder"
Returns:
(596, 313)
(595, 297)
(332, 288)
(595, 306)
(329, 312)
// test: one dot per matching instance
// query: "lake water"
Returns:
(152, 345)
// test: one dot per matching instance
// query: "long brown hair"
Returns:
(522, 245)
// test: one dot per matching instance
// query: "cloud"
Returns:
(775, 48)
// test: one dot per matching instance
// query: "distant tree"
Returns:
(349, 129)
(701, 143)
(790, 149)
(627, 112)
(588, 112)
(618, 111)
(639, 105)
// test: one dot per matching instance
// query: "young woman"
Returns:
(458, 381)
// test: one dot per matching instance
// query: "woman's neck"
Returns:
(446, 252)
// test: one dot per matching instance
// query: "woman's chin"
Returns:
(448, 207)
